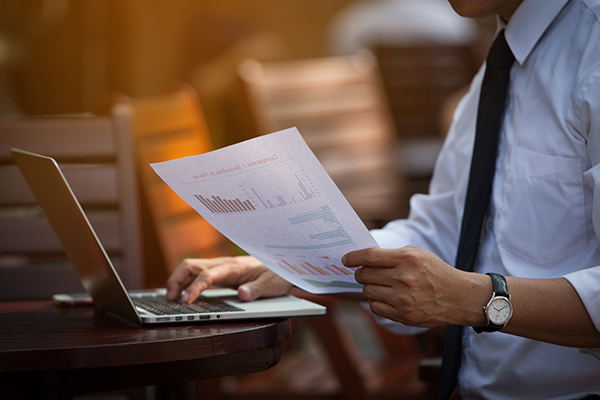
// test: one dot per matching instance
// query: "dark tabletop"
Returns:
(66, 349)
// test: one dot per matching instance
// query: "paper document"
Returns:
(271, 197)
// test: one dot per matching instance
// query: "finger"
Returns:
(187, 271)
(198, 285)
(381, 293)
(373, 275)
(229, 274)
(178, 281)
(383, 309)
(174, 292)
(373, 257)
(205, 279)
(267, 284)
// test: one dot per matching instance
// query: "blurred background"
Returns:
(371, 85)
(61, 56)
(68, 56)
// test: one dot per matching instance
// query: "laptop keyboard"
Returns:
(161, 306)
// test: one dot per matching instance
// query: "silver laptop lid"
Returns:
(75, 233)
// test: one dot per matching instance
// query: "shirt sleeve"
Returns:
(584, 118)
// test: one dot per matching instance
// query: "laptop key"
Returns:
(160, 306)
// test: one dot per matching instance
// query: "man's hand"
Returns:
(247, 274)
(415, 287)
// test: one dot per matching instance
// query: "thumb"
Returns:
(265, 285)
(246, 293)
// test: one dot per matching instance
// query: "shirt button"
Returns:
(465, 341)
(490, 224)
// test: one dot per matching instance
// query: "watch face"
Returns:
(499, 311)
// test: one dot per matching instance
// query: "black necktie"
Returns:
(489, 117)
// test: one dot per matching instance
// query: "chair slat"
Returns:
(338, 105)
(61, 138)
(19, 280)
(92, 184)
(168, 126)
(32, 234)
(171, 146)
(170, 203)
(96, 156)
(191, 238)
(158, 117)
(424, 75)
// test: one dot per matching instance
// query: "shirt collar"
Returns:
(528, 23)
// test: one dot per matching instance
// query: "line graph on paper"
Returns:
(299, 190)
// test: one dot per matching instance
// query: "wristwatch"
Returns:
(499, 309)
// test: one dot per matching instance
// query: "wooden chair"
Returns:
(96, 156)
(339, 107)
(168, 126)
(418, 80)
(393, 376)
(338, 369)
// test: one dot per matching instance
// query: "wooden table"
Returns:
(53, 352)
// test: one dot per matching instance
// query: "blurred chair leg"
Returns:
(208, 389)
(175, 391)
(343, 363)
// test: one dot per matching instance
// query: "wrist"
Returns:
(499, 309)
(475, 294)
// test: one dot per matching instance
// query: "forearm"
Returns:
(414, 287)
(548, 310)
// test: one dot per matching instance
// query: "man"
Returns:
(542, 230)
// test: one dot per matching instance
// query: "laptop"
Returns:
(101, 280)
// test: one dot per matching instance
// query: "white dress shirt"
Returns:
(544, 216)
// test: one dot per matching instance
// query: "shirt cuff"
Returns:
(586, 282)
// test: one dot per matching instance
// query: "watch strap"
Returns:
(500, 290)
(499, 284)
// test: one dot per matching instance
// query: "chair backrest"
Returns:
(168, 126)
(339, 107)
(419, 78)
(96, 156)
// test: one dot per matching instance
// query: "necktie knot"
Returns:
(500, 55)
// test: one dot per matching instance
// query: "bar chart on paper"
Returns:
(272, 198)
(218, 205)
(319, 272)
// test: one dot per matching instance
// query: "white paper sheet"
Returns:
(271, 197)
